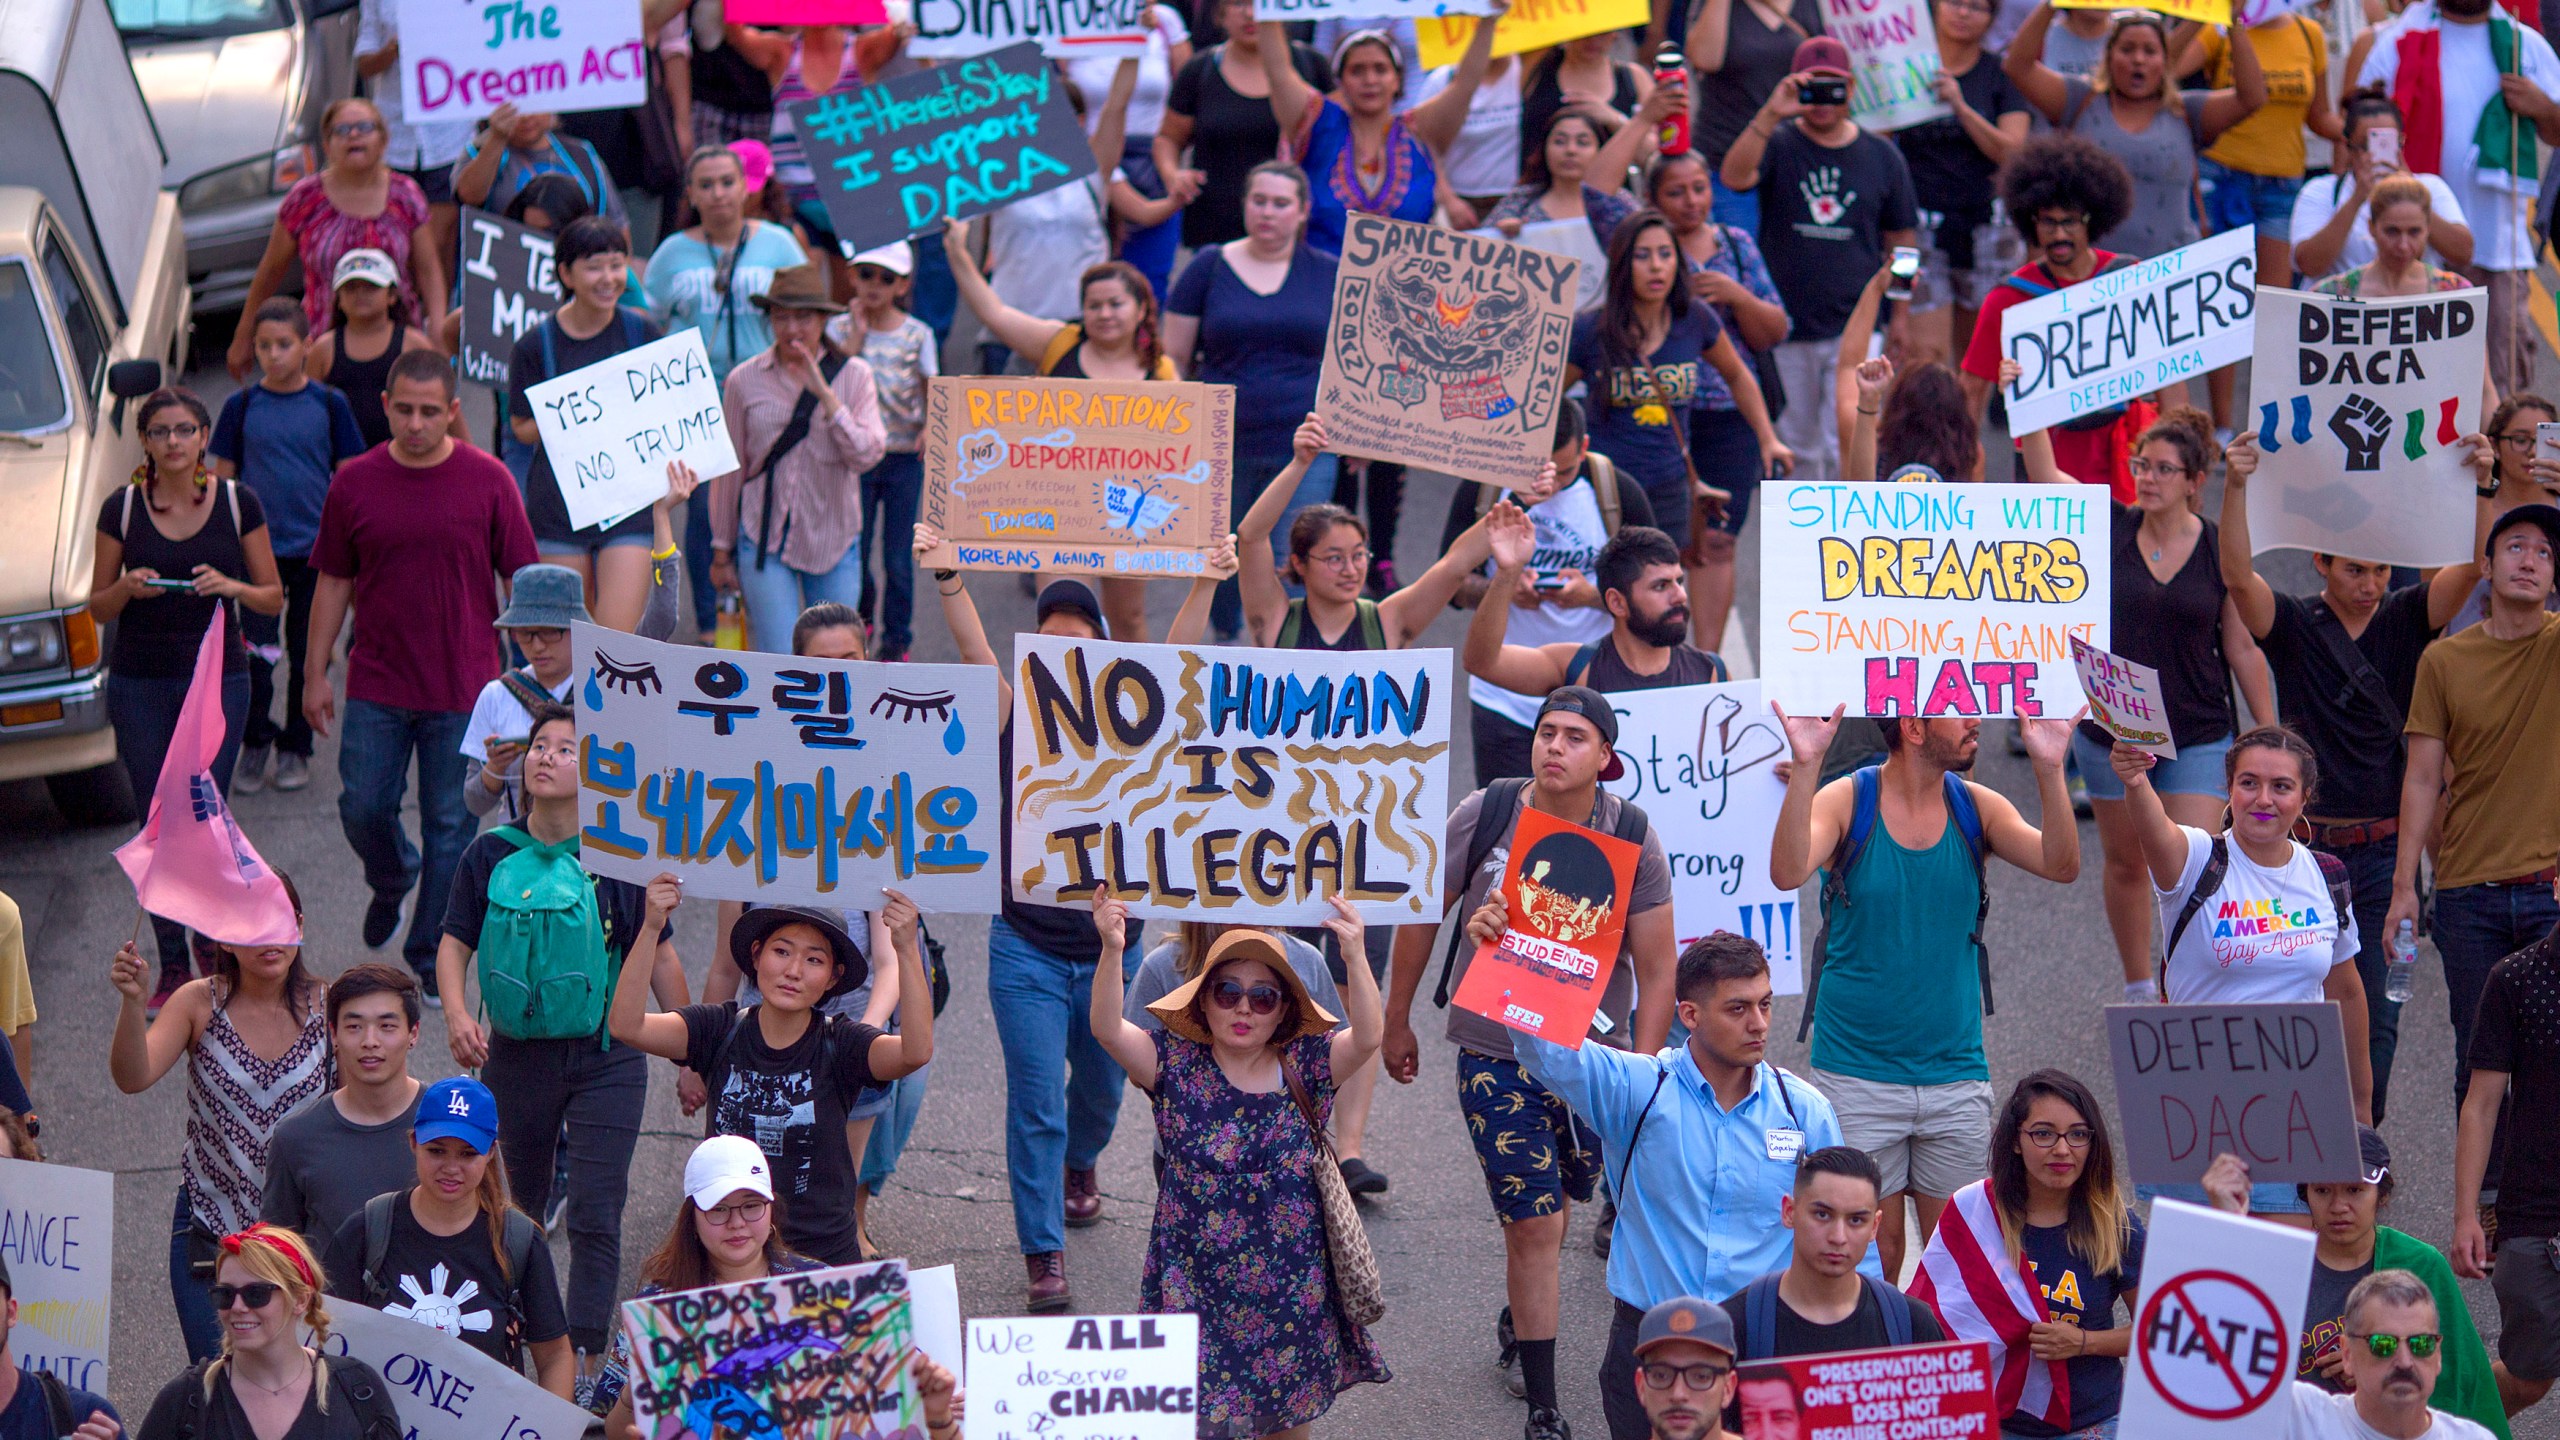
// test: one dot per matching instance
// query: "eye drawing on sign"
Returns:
(912, 709)
(641, 679)
(1466, 340)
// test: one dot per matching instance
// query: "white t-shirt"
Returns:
(2319, 1415)
(2320, 197)
(1570, 534)
(1092, 77)
(2501, 232)
(497, 714)
(1037, 249)
(2265, 937)
(1485, 158)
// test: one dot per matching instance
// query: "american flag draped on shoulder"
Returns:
(1966, 1276)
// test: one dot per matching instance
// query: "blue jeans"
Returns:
(198, 1322)
(1737, 208)
(601, 1094)
(1062, 1089)
(1254, 474)
(776, 594)
(890, 1131)
(374, 749)
(2476, 926)
(891, 492)
(2369, 884)
(935, 298)
(143, 710)
(2233, 198)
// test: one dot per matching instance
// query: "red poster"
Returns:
(1567, 888)
(806, 12)
(1941, 1391)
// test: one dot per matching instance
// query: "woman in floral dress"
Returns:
(1239, 1236)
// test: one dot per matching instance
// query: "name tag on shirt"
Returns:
(1786, 1145)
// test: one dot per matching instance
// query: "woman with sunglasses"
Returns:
(267, 1384)
(1241, 1077)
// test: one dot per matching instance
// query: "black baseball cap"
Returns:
(1593, 706)
(1072, 595)
(2546, 516)
(1685, 1317)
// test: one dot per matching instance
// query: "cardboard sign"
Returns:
(2124, 695)
(1446, 351)
(2267, 1083)
(611, 428)
(786, 780)
(2361, 410)
(1095, 477)
(509, 285)
(1528, 25)
(1416, 10)
(1702, 761)
(1567, 890)
(58, 1234)
(1226, 783)
(1084, 1377)
(805, 12)
(2215, 1340)
(464, 59)
(1893, 57)
(2203, 12)
(956, 29)
(1935, 1390)
(816, 1356)
(444, 1389)
(1931, 599)
(898, 158)
(2125, 333)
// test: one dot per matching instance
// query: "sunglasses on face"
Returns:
(2383, 1347)
(1699, 1377)
(262, 1293)
(1233, 995)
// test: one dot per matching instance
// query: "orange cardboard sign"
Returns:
(1567, 889)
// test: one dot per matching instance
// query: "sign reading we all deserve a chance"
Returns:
(462, 59)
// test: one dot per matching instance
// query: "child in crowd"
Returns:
(903, 355)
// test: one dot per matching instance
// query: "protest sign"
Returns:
(2361, 410)
(2267, 1083)
(821, 1355)
(508, 286)
(1567, 890)
(1084, 1377)
(58, 1236)
(1573, 240)
(2124, 696)
(833, 779)
(957, 29)
(1942, 1391)
(898, 158)
(1445, 350)
(2215, 1338)
(933, 1298)
(1096, 477)
(1702, 761)
(2124, 333)
(804, 12)
(444, 1389)
(2203, 12)
(1931, 599)
(1232, 784)
(1415, 10)
(463, 59)
(1893, 58)
(611, 428)
(2250, 14)
(1527, 25)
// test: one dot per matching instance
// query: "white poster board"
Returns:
(611, 428)
(1084, 1377)
(58, 1230)
(1286, 10)
(956, 29)
(2124, 333)
(462, 59)
(1893, 57)
(933, 1296)
(1573, 240)
(444, 1389)
(2124, 696)
(2221, 1318)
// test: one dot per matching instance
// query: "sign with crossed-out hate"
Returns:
(2215, 1342)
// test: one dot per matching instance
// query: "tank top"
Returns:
(1354, 637)
(790, 158)
(1901, 994)
(363, 381)
(1065, 358)
(234, 1102)
(1689, 666)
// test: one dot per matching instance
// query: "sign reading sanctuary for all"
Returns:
(2125, 333)
(1229, 784)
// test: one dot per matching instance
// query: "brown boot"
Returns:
(1084, 1200)
(1048, 1290)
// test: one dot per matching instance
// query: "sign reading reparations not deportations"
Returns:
(1944, 1392)
(2125, 333)
(1220, 783)
(822, 1355)
(1931, 599)
(1098, 477)
(2267, 1083)
(462, 59)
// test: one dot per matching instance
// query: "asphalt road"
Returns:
(1435, 1233)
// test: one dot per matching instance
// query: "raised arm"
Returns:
(630, 1020)
(1741, 170)
(2250, 593)
(2248, 664)
(143, 1047)
(1029, 335)
(2164, 845)
(2452, 585)
(1807, 828)
(1192, 620)
(2024, 64)
(1410, 611)
(1436, 121)
(2052, 852)
(2226, 108)
(906, 1052)
(960, 616)
(1133, 1047)
(1625, 150)
(1873, 376)
(1265, 601)
(1708, 31)
(1292, 98)
(1111, 123)
(1520, 669)
(1354, 1043)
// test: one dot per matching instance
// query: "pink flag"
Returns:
(191, 863)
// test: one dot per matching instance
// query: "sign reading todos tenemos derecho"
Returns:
(2125, 333)
(1223, 783)
(2267, 1083)
(443, 1388)
(1099, 477)
(1084, 1377)
(1931, 599)
(898, 158)
(955, 29)
(509, 285)
(58, 1235)
(823, 1355)
(1893, 52)
(1446, 350)
(2361, 406)
(787, 780)
(462, 59)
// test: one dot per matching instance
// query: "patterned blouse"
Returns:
(322, 233)
(901, 360)
(1403, 189)
(234, 1102)
(1737, 255)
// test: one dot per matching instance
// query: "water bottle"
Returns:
(1670, 68)
(2400, 973)
(729, 631)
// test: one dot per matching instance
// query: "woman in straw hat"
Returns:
(1242, 1077)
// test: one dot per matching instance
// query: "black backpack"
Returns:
(1865, 814)
(1494, 819)
(522, 1236)
(353, 1381)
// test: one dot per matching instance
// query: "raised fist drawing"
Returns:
(2362, 426)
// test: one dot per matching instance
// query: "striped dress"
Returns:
(234, 1101)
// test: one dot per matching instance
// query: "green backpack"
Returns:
(544, 973)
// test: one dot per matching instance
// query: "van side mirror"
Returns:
(130, 380)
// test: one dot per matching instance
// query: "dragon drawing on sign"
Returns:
(1461, 336)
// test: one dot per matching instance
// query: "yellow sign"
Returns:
(1531, 25)
(2206, 12)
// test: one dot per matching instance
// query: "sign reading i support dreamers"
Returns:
(58, 1232)
(1941, 1391)
(2127, 332)
(1084, 1377)
(822, 1355)
(465, 58)
(611, 428)
(509, 285)
(1931, 599)
(1224, 783)
(2361, 406)
(956, 29)
(1893, 52)
(787, 780)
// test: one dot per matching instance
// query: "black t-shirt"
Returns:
(2359, 743)
(2324, 1318)
(1065, 931)
(2518, 1034)
(219, 1417)
(628, 330)
(781, 1100)
(427, 1273)
(1863, 1330)
(1823, 214)
(1230, 134)
(1545, 96)
(2072, 1291)
(1756, 57)
(2175, 629)
(157, 636)
(621, 906)
(1948, 168)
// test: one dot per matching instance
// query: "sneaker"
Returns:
(1508, 1361)
(292, 771)
(2078, 790)
(1546, 1425)
(583, 1388)
(553, 1212)
(1361, 1179)
(1607, 1227)
(249, 776)
(170, 980)
(427, 989)
(1048, 1282)
(1084, 1200)
(382, 918)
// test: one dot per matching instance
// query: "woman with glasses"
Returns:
(1954, 160)
(356, 202)
(267, 1384)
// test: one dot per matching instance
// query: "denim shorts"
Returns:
(2268, 1199)
(2196, 771)
(584, 547)
(2233, 198)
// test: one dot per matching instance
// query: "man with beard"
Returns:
(1683, 1370)
(1899, 980)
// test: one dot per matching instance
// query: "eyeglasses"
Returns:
(876, 275)
(2045, 1137)
(2048, 221)
(2383, 1347)
(354, 129)
(539, 635)
(2155, 469)
(565, 751)
(745, 1212)
(187, 431)
(262, 1293)
(1699, 1377)
(2517, 438)
(1232, 995)
(1343, 559)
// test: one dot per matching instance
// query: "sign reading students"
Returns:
(1566, 889)
(1084, 1377)
(508, 286)
(2124, 333)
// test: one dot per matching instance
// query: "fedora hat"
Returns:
(758, 924)
(1178, 1010)
(802, 287)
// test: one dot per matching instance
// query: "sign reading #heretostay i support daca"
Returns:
(822, 1355)
(462, 59)
(2125, 333)
(1096, 477)
(1931, 599)
(1224, 783)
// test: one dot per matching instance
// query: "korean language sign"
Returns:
(1528, 25)
(955, 29)
(1943, 1391)
(444, 1389)
(611, 428)
(1228, 783)
(2124, 333)
(2220, 1323)
(1931, 599)
(508, 286)
(1893, 57)
(1084, 1377)
(58, 1232)
(1099, 477)
(465, 58)
(822, 1355)
(1566, 889)
(2267, 1083)
(787, 780)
